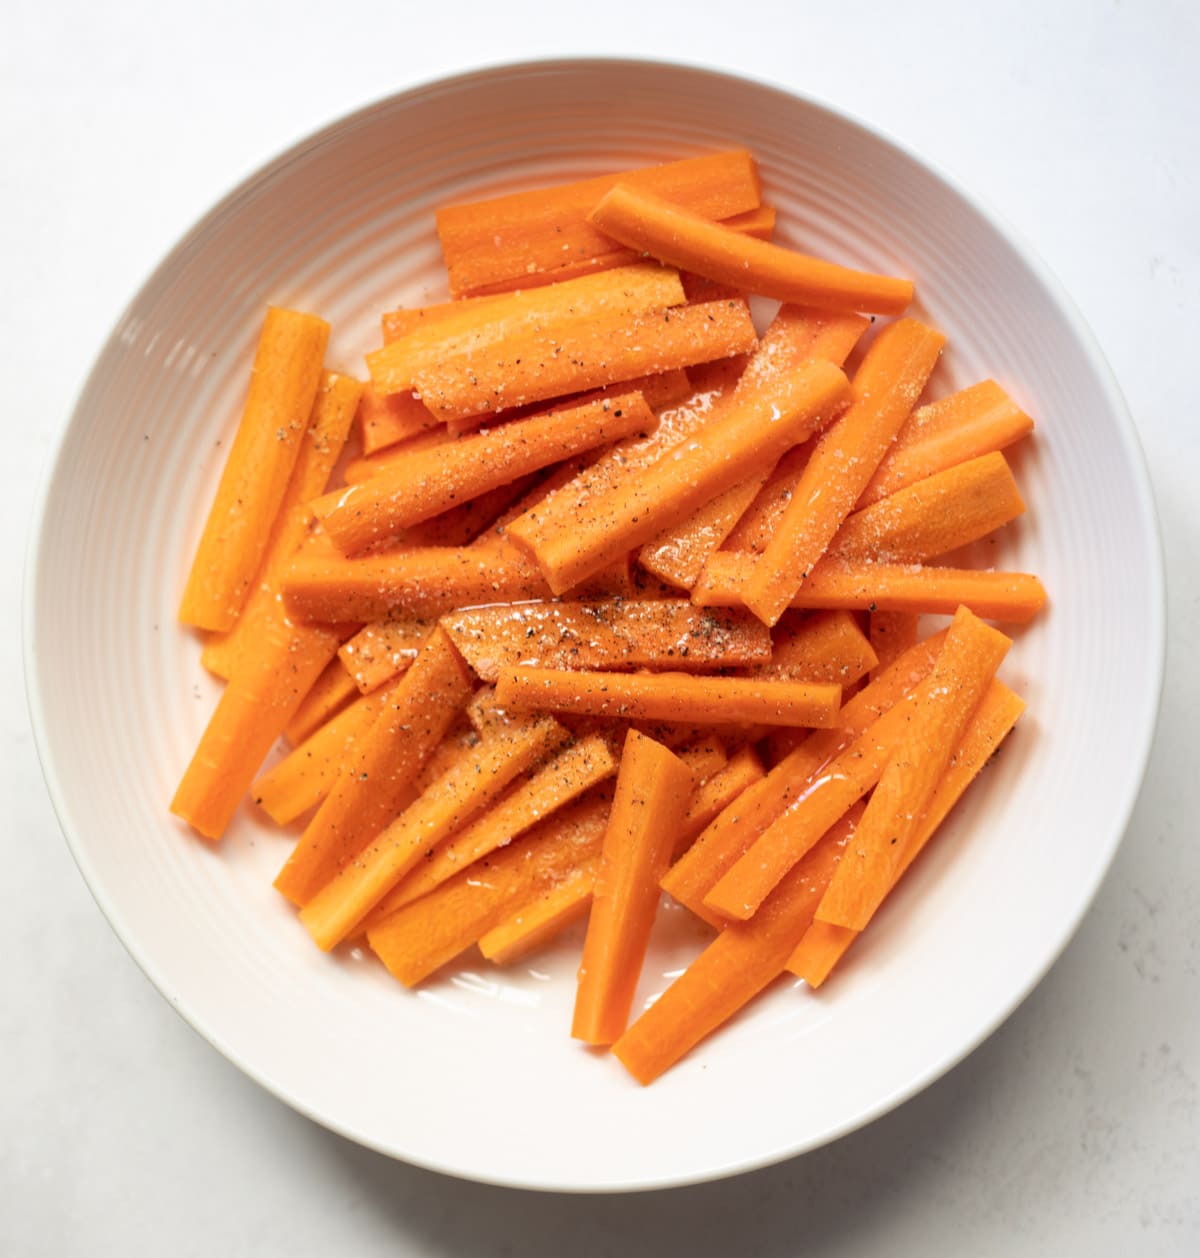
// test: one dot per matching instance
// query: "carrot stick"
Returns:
(932, 516)
(891, 634)
(653, 787)
(453, 799)
(526, 236)
(739, 963)
(433, 481)
(396, 324)
(715, 794)
(963, 426)
(579, 351)
(647, 633)
(886, 385)
(305, 776)
(818, 646)
(761, 518)
(742, 439)
(382, 650)
(534, 926)
(385, 420)
(418, 939)
(329, 694)
(283, 386)
(964, 670)
(668, 697)
(651, 225)
(426, 582)
(861, 586)
(824, 944)
(365, 467)
(378, 779)
(759, 222)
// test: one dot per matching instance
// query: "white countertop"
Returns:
(1074, 1129)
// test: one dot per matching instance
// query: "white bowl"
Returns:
(475, 1074)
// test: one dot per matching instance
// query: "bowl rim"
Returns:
(1141, 738)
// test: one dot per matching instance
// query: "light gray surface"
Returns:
(1073, 1130)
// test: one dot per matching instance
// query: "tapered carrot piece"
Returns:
(935, 515)
(418, 939)
(320, 448)
(426, 582)
(526, 236)
(653, 226)
(858, 585)
(385, 420)
(753, 532)
(669, 697)
(535, 925)
(283, 386)
(452, 800)
(306, 775)
(886, 386)
(964, 670)
(713, 795)
(796, 335)
(329, 694)
(382, 650)
(653, 788)
(646, 633)
(432, 481)
(824, 944)
(743, 959)
(818, 646)
(378, 780)
(577, 352)
(741, 440)
(963, 426)
(891, 634)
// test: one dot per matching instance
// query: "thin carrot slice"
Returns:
(534, 926)
(378, 780)
(824, 944)
(526, 236)
(653, 788)
(654, 226)
(647, 633)
(283, 387)
(669, 697)
(891, 634)
(857, 585)
(963, 426)
(385, 420)
(935, 515)
(964, 670)
(743, 959)
(886, 386)
(432, 481)
(818, 646)
(382, 650)
(329, 694)
(740, 441)
(453, 799)
(714, 794)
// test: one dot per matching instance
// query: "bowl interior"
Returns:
(475, 1074)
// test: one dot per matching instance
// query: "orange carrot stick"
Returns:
(432, 481)
(653, 787)
(669, 697)
(378, 780)
(824, 944)
(740, 441)
(818, 646)
(421, 937)
(365, 467)
(743, 959)
(891, 634)
(382, 650)
(329, 694)
(653, 226)
(713, 795)
(886, 386)
(647, 633)
(761, 518)
(964, 670)
(283, 386)
(534, 926)
(385, 420)
(453, 799)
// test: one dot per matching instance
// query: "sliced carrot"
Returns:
(961, 676)
(891, 634)
(857, 585)
(648, 223)
(963, 426)
(329, 694)
(669, 697)
(647, 633)
(741, 441)
(886, 386)
(818, 646)
(714, 794)
(935, 515)
(761, 518)
(283, 387)
(451, 801)
(395, 324)
(759, 222)
(653, 788)
(426, 582)
(431, 481)
(365, 467)
(378, 779)
(382, 650)
(824, 944)
(534, 926)
(525, 236)
(385, 420)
